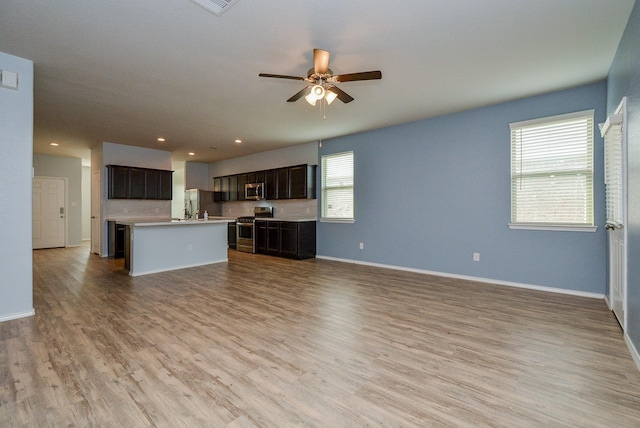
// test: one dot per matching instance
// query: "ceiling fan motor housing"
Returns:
(314, 77)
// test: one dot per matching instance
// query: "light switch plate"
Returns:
(9, 79)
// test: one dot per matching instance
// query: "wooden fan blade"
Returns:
(365, 75)
(280, 76)
(342, 95)
(320, 61)
(300, 94)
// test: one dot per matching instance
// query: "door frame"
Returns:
(621, 109)
(96, 217)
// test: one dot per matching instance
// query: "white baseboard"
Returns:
(633, 350)
(148, 272)
(608, 302)
(17, 316)
(471, 278)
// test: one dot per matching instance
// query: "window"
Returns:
(552, 172)
(337, 187)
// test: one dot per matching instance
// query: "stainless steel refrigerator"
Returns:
(197, 201)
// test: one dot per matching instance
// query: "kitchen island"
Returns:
(159, 246)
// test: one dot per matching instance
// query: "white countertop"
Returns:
(151, 221)
(173, 222)
(294, 220)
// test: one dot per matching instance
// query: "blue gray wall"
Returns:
(429, 194)
(16, 146)
(624, 80)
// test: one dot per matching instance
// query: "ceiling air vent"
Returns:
(216, 6)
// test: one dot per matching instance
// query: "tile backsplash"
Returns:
(285, 209)
(137, 208)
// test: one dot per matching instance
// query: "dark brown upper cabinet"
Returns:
(292, 182)
(270, 182)
(302, 183)
(233, 188)
(118, 177)
(282, 186)
(125, 182)
(137, 183)
(242, 181)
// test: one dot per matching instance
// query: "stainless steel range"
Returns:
(245, 229)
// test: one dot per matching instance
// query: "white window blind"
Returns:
(612, 134)
(337, 186)
(552, 171)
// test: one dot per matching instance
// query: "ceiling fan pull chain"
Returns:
(323, 109)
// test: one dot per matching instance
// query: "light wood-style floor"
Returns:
(262, 341)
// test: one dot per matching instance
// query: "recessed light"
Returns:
(161, 140)
(238, 141)
(54, 144)
(191, 154)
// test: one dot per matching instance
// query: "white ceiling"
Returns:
(128, 71)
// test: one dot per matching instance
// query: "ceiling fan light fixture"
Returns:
(311, 98)
(330, 97)
(317, 93)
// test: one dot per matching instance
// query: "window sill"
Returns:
(557, 227)
(337, 220)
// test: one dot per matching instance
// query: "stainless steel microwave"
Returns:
(254, 191)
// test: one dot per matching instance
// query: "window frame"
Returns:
(324, 188)
(589, 208)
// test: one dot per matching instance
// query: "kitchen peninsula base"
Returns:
(162, 246)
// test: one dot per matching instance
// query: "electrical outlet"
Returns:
(157, 210)
(189, 247)
(125, 210)
(362, 245)
(476, 257)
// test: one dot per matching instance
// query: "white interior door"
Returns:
(613, 131)
(95, 212)
(49, 212)
(617, 274)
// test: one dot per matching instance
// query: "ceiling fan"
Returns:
(322, 81)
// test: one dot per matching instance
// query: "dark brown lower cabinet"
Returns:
(116, 239)
(260, 236)
(273, 238)
(231, 235)
(292, 239)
